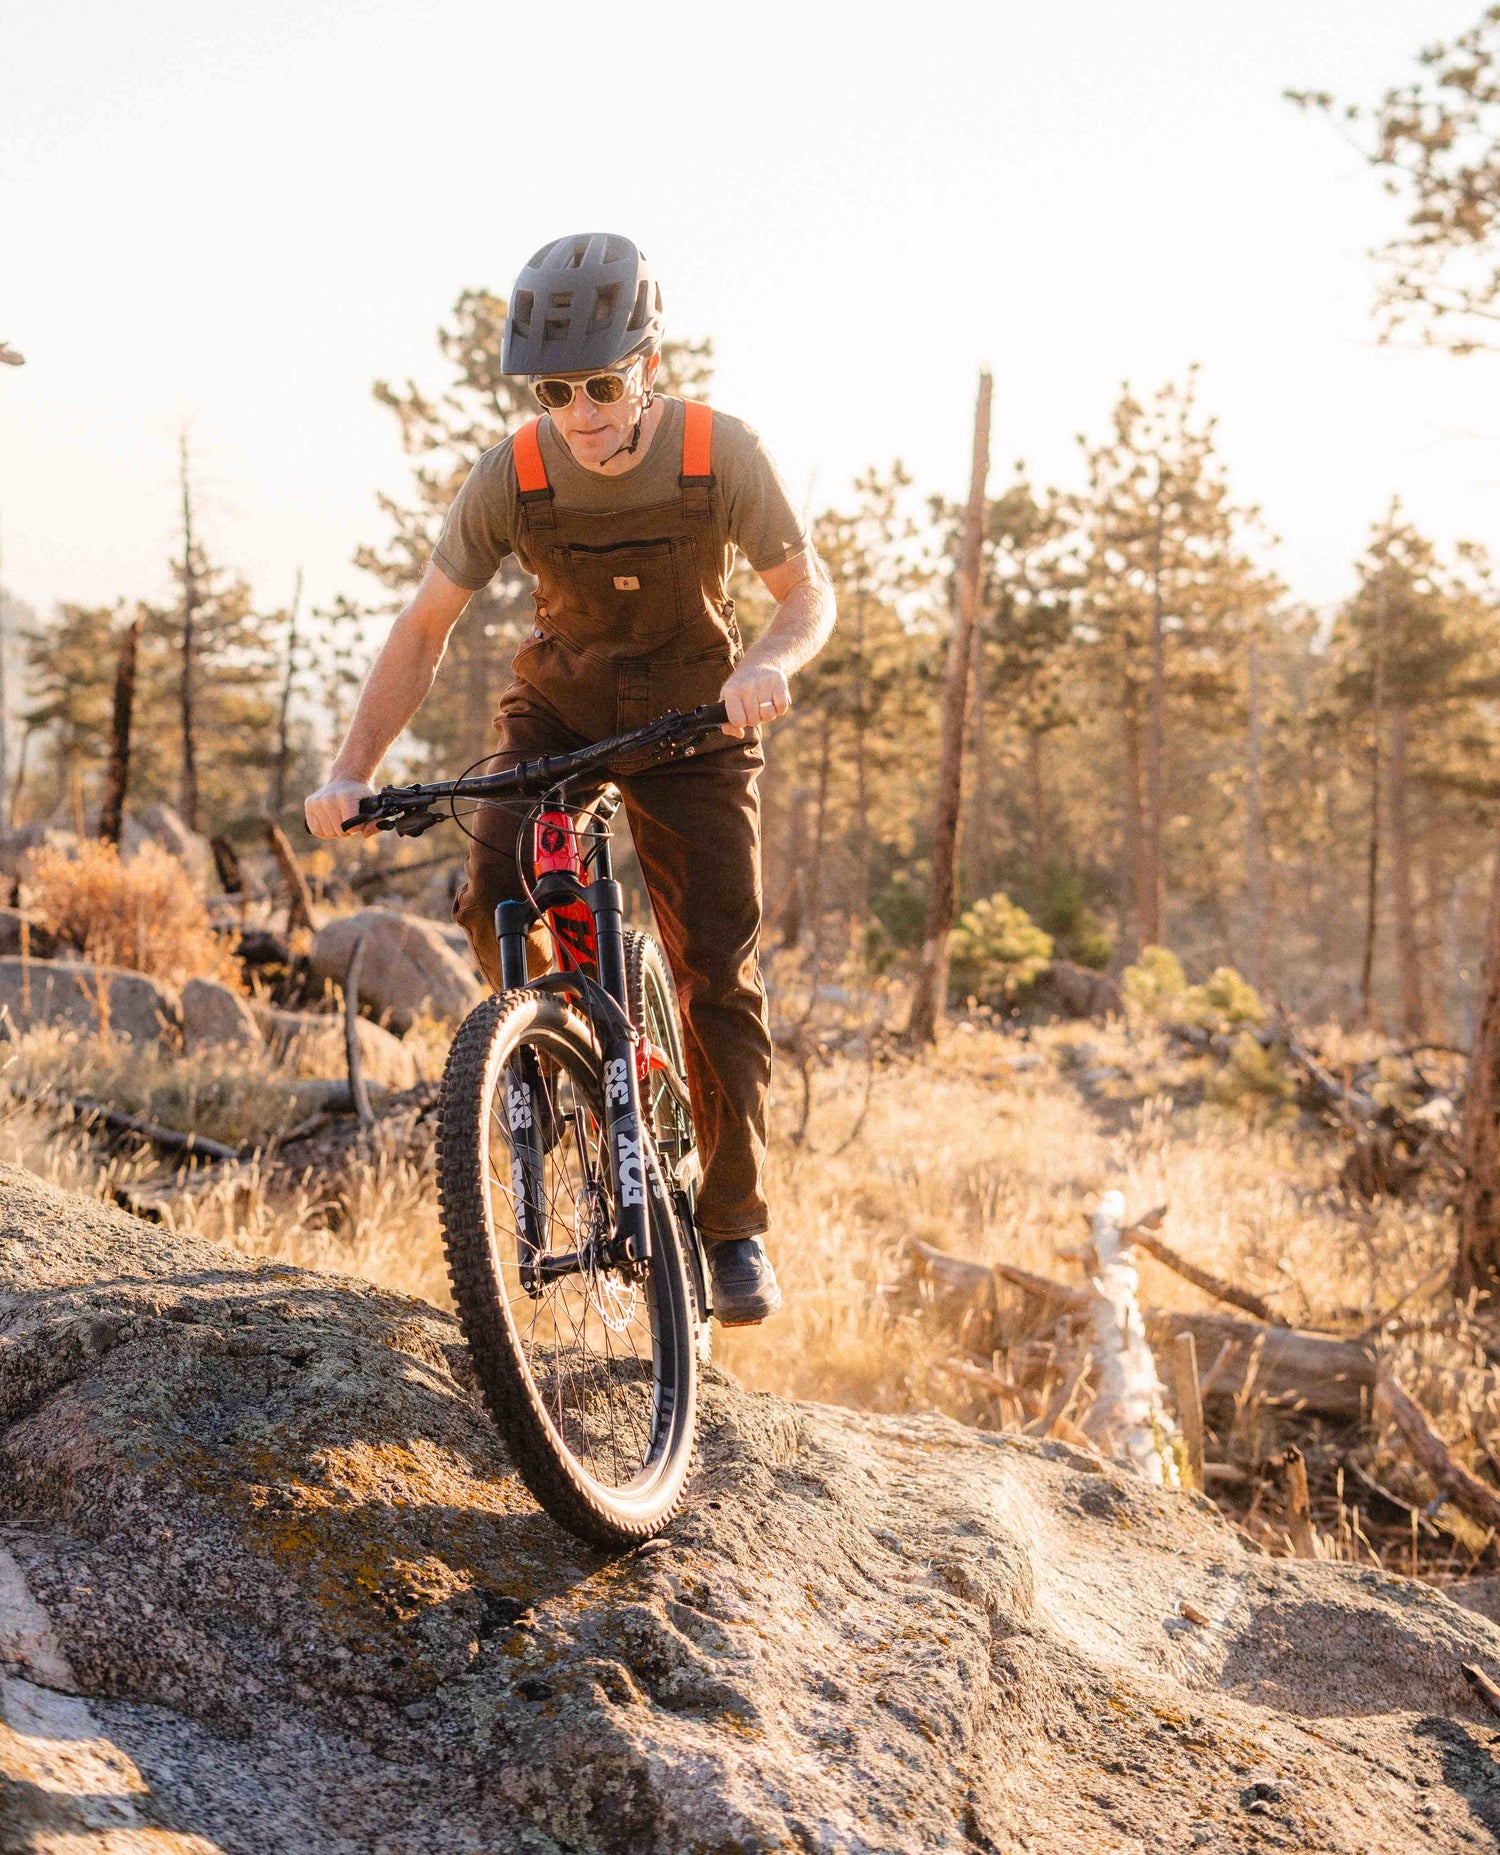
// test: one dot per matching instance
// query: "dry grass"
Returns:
(141, 914)
(992, 1147)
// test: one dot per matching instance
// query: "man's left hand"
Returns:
(755, 694)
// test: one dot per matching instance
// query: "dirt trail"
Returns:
(255, 1517)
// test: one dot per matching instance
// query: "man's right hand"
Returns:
(330, 805)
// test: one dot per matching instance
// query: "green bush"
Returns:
(996, 951)
(1155, 984)
(1157, 987)
(901, 909)
(1254, 1080)
(1054, 896)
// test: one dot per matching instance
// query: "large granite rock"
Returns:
(260, 1522)
(68, 992)
(408, 969)
(215, 1017)
(160, 825)
(313, 1043)
(17, 925)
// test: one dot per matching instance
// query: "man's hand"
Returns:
(755, 694)
(330, 805)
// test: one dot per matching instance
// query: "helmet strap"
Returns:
(635, 436)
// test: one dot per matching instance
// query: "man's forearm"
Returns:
(398, 684)
(800, 628)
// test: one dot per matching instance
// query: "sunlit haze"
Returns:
(242, 216)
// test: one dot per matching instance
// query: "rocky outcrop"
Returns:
(408, 969)
(21, 932)
(70, 992)
(160, 825)
(259, 1520)
(313, 1043)
(214, 1017)
(1064, 990)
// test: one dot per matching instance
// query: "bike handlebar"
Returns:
(395, 807)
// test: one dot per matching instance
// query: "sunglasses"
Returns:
(603, 389)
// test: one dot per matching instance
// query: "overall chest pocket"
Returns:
(625, 600)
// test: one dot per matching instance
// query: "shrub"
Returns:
(996, 951)
(143, 914)
(1156, 983)
(1157, 987)
(1254, 1080)
(1054, 897)
(901, 909)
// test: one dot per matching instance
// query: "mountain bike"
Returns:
(567, 1161)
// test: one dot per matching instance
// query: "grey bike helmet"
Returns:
(585, 302)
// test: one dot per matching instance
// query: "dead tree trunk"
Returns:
(117, 773)
(1040, 842)
(1479, 1204)
(1372, 863)
(928, 993)
(284, 711)
(1408, 951)
(1150, 896)
(187, 794)
(1255, 831)
(1134, 857)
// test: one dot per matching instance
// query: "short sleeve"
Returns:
(476, 535)
(762, 522)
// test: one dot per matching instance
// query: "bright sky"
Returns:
(241, 216)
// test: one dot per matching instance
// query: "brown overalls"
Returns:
(633, 619)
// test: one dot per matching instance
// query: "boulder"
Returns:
(214, 1017)
(408, 970)
(266, 1555)
(1068, 991)
(160, 825)
(312, 1043)
(67, 992)
(41, 943)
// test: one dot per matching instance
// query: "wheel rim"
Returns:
(591, 1339)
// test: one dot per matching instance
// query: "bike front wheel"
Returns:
(588, 1369)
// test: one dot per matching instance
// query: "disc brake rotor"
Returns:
(613, 1296)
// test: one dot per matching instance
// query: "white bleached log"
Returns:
(1130, 1413)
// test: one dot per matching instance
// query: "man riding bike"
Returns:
(628, 508)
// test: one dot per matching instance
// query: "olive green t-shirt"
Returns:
(482, 525)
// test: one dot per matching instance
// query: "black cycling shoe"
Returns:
(744, 1287)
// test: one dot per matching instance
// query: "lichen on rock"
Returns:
(281, 1550)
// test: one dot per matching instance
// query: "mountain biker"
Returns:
(628, 506)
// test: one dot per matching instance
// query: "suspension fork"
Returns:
(523, 1105)
(622, 1087)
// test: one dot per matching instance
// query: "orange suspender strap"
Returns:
(531, 472)
(697, 438)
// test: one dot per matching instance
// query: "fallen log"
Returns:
(168, 1139)
(1293, 1368)
(973, 1283)
(1287, 1366)
(1143, 1234)
(1476, 1498)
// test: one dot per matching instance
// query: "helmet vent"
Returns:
(578, 254)
(615, 249)
(605, 298)
(555, 328)
(642, 301)
(560, 299)
(521, 307)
